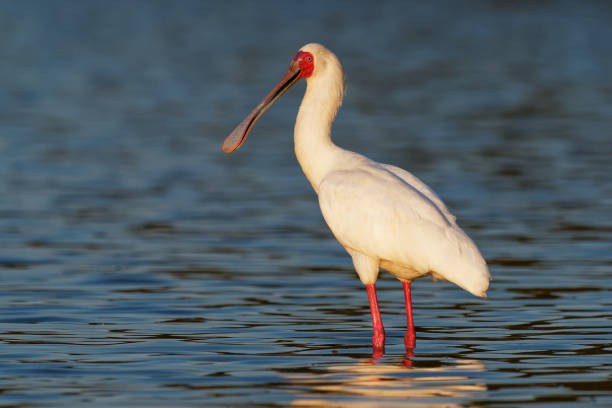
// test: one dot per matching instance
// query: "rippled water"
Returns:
(141, 266)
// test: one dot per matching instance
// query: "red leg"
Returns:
(378, 340)
(410, 338)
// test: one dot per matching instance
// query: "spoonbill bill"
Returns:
(381, 214)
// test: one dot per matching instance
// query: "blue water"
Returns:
(141, 266)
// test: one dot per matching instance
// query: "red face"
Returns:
(306, 63)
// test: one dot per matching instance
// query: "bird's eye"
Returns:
(309, 58)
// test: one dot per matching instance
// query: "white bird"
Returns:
(381, 214)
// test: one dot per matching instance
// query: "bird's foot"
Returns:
(408, 357)
(410, 340)
(378, 344)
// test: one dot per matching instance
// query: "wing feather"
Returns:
(372, 210)
(422, 187)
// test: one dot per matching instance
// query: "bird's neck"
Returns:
(314, 148)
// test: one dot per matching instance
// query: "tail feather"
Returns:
(460, 262)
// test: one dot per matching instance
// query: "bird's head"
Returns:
(308, 63)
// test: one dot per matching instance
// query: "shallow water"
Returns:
(141, 266)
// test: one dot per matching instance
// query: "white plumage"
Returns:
(384, 216)
(374, 213)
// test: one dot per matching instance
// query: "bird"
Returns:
(385, 217)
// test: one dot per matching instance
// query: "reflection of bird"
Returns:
(389, 385)
(383, 216)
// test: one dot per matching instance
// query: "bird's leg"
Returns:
(410, 338)
(378, 339)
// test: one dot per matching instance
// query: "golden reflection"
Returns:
(395, 384)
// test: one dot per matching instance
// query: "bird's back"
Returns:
(390, 215)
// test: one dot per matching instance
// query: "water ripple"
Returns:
(140, 266)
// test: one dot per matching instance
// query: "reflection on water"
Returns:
(392, 385)
(141, 266)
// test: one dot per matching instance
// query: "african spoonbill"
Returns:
(381, 214)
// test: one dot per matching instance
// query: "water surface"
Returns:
(141, 266)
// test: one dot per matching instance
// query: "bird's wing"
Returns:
(373, 211)
(422, 187)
